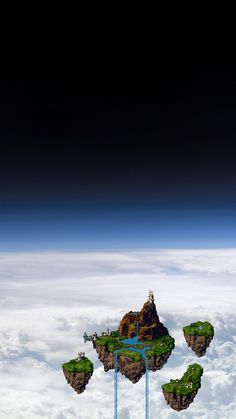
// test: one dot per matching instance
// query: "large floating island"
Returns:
(179, 394)
(199, 336)
(141, 331)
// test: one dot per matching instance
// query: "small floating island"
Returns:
(199, 336)
(78, 372)
(180, 393)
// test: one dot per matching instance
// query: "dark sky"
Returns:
(134, 141)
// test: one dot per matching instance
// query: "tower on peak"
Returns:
(151, 297)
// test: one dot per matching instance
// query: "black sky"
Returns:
(143, 135)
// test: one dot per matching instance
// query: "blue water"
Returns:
(131, 341)
(134, 340)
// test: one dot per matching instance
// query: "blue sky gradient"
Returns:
(114, 227)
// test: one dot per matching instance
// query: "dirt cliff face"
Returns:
(157, 362)
(126, 366)
(198, 344)
(77, 380)
(127, 326)
(105, 357)
(149, 324)
(179, 402)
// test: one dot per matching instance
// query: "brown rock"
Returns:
(77, 380)
(133, 370)
(149, 324)
(157, 362)
(198, 344)
(126, 366)
(179, 402)
(127, 325)
(105, 357)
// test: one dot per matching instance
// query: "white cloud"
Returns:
(49, 299)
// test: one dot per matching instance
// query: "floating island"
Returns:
(78, 372)
(141, 341)
(199, 336)
(180, 393)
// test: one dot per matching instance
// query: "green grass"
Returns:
(115, 333)
(200, 329)
(160, 346)
(135, 356)
(192, 377)
(111, 342)
(85, 365)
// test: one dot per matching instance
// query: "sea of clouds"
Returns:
(48, 300)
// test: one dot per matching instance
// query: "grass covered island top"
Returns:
(158, 347)
(84, 365)
(199, 328)
(189, 383)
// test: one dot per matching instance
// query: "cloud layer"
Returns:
(48, 300)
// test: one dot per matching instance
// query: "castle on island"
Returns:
(151, 298)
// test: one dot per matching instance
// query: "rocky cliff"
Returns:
(77, 380)
(149, 325)
(198, 344)
(106, 357)
(127, 326)
(179, 402)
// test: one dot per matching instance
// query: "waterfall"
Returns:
(142, 352)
